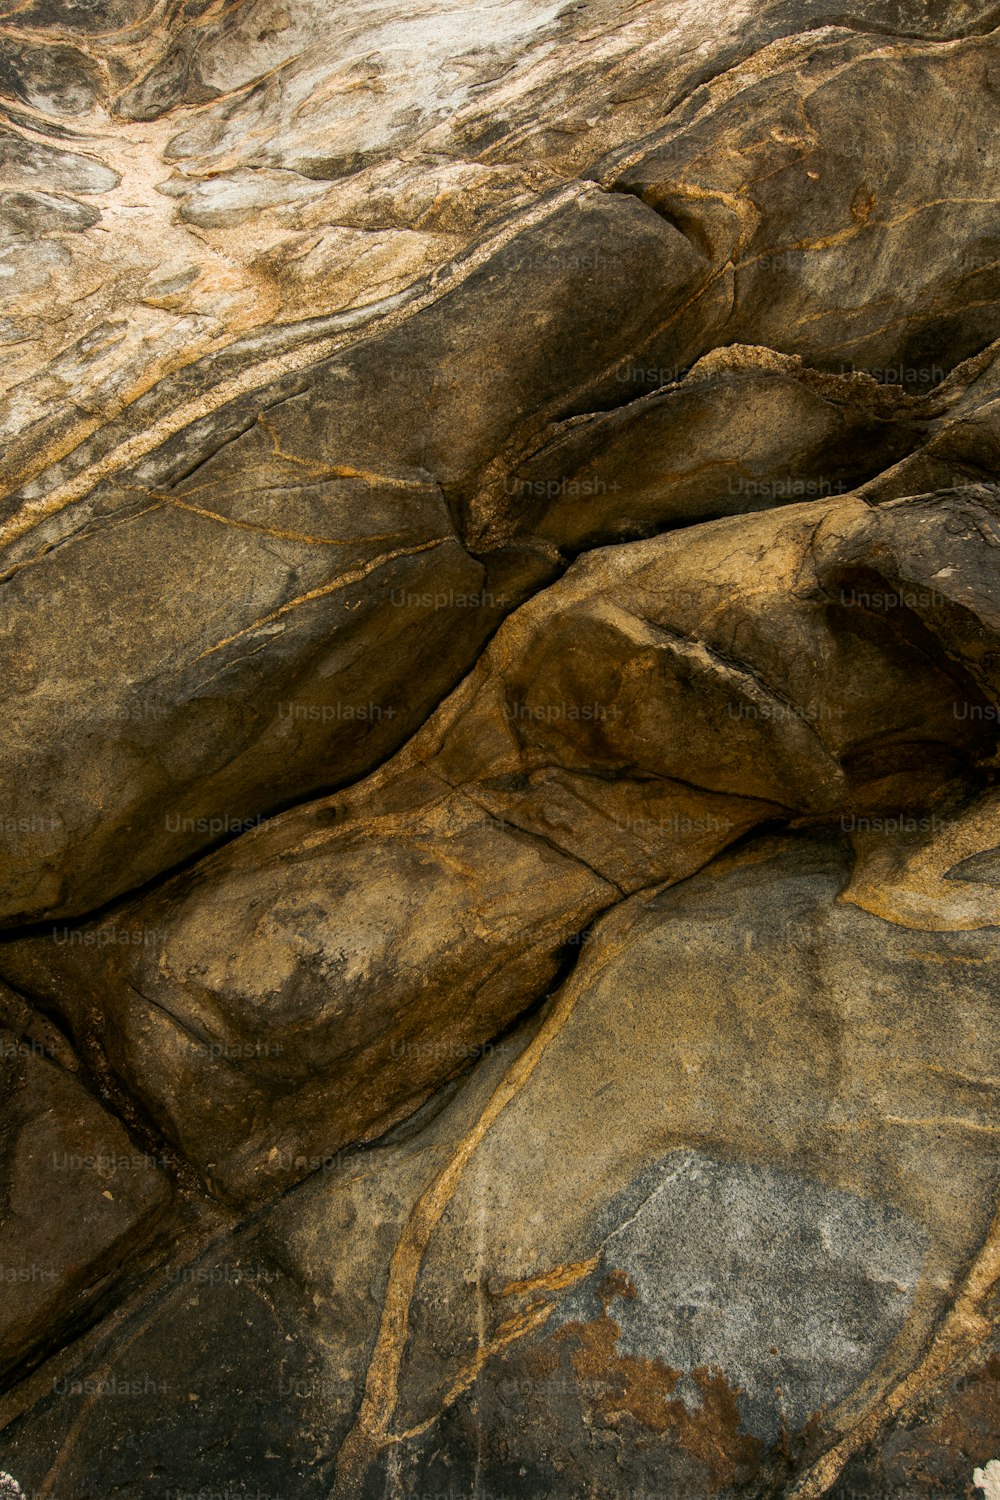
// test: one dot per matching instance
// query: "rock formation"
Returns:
(499, 806)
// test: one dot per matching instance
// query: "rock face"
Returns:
(616, 732)
(500, 645)
(78, 1198)
(681, 1231)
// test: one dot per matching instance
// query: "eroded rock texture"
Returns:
(500, 645)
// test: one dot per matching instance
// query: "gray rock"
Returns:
(34, 213)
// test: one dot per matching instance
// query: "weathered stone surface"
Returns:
(943, 1446)
(77, 1197)
(283, 665)
(960, 442)
(745, 430)
(793, 174)
(623, 727)
(932, 873)
(359, 587)
(500, 659)
(263, 1029)
(356, 162)
(677, 1234)
(579, 294)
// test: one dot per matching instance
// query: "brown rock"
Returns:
(690, 1227)
(77, 1198)
(314, 980)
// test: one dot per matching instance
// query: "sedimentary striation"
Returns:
(500, 645)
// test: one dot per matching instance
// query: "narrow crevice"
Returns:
(686, 224)
(96, 1075)
(42, 1034)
